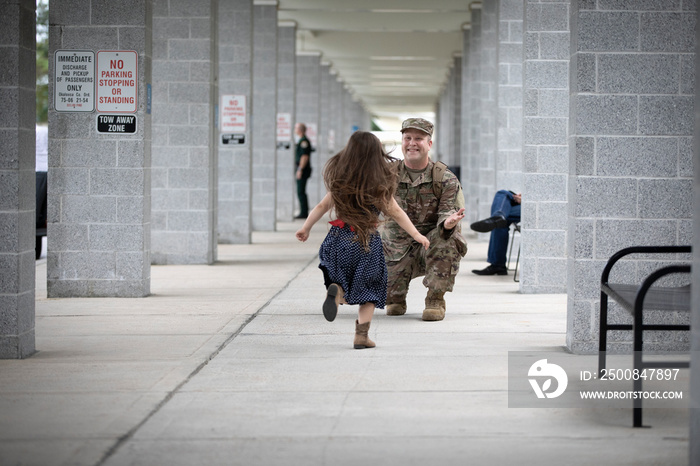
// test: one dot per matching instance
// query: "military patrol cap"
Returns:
(418, 123)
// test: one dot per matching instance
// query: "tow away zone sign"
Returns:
(116, 124)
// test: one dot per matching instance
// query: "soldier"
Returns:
(436, 210)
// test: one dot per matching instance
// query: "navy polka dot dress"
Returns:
(362, 274)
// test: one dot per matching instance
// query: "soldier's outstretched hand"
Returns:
(454, 219)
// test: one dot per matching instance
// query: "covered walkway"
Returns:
(234, 364)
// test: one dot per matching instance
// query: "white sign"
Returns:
(74, 81)
(331, 140)
(233, 114)
(117, 81)
(312, 133)
(284, 127)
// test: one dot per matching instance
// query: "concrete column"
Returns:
(264, 117)
(348, 119)
(632, 91)
(545, 146)
(694, 402)
(357, 117)
(336, 115)
(443, 129)
(235, 33)
(464, 137)
(184, 154)
(99, 191)
(308, 75)
(455, 117)
(473, 121)
(442, 139)
(321, 153)
(362, 116)
(286, 89)
(17, 179)
(509, 127)
(340, 135)
(489, 105)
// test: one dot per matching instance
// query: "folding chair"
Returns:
(516, 227)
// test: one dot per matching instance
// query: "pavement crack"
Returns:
(130, 434)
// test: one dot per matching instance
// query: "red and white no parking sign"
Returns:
(117, 81)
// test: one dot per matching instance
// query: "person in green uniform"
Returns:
(303, 168)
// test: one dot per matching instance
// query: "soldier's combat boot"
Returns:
(434, 306)
(396, 308)
(362, 341)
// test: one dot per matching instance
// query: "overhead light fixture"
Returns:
(397, 84)
(402, 58)
(392, 68)
(402, 11)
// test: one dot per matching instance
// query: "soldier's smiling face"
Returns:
(415, 145)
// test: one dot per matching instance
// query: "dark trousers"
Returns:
(303, 198)
(503, 204)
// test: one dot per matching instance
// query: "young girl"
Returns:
(360, 182)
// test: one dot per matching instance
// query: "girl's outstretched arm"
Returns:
(397, 213)
(314, 216)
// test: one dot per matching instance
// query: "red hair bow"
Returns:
(340, 224)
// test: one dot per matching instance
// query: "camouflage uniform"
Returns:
(405, 258)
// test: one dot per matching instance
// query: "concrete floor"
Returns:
(234, 364)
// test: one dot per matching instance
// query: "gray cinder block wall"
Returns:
(442, 133)
(545, 146)
(465, 156)
(340, 115)
(336, 114)
(489, 106)
(464, 137)
(632, 85)
(323, 123)
(308, 76)
(443, 130)
(365, 118)
(17, 179)
(264, 115)
(446, 142)
(348, 118)
(286, 88)
(509, 126)
(491, 137)
(357, 117)
(455, 119)
(99, 191)
(473, 120)
(694, 402)
(435, 150)
(235, 46)
(184, 156)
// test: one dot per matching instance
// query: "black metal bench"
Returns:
(635, 299)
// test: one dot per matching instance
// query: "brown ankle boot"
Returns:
(362, 341)
(434, 306)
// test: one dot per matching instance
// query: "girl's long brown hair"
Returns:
(361, 181)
